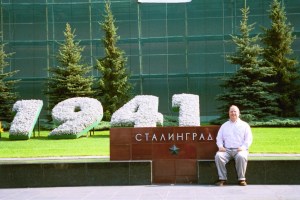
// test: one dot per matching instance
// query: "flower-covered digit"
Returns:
(76, 117)
(141, 111)
(27, 113)
(188, 107)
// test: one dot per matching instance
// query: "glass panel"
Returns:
(154, 64)
(158, 87)
(171, 48)
(177, 64)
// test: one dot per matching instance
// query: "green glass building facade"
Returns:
(172, 48)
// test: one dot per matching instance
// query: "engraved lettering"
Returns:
(171, 136)
(179, 136)
(187, 136)
(162, 138)
(202, 137)
(194, 136)
(138, 135)
(154, 137)
(210, 137)
(147, 136)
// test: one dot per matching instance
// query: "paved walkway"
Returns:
(156, 192)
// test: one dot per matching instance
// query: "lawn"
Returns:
(266, 140)
(97, 144)
(276, 140)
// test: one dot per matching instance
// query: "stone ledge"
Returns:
(63, 159)
(100, 171)
(259, 171)
(57, 174)
(273, 156)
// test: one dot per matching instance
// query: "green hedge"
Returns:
(277, 123)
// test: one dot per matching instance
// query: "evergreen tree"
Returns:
(8, 96)
(277, 53)
(245, 88)
(114, 86)
(70, 78)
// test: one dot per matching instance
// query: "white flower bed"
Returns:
(141, 111)
(189, 111)
(76, 116)
(27, 114)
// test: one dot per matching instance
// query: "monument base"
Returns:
(98, 172)
(174, 151)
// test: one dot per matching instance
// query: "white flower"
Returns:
(26, 117)
(141, 111)
(188, 105)
(76, 116)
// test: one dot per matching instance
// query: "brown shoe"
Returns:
(242, 183)
(221, 182)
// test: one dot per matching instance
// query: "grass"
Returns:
(266, 140)
(97, 144)
(275, 140)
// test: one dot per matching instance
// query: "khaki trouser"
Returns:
(241, 159)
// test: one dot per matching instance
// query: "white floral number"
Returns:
(188, 106)
(26, 117)
(141, 111)
(76, 117)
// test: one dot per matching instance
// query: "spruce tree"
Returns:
(245, 88)
(70, 78)
(114, 87)
(277, 40)
(8, 95)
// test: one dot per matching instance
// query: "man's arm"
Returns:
(247, 139)
(220, 139)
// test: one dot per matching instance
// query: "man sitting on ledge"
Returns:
(233, 140)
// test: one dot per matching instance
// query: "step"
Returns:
(261, 169)
(100, 171)
(86, 172)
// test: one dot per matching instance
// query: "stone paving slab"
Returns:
(156, 192)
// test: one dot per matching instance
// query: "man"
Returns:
(233, 140)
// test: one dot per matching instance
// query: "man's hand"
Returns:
(240, 149)
(222, 149)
